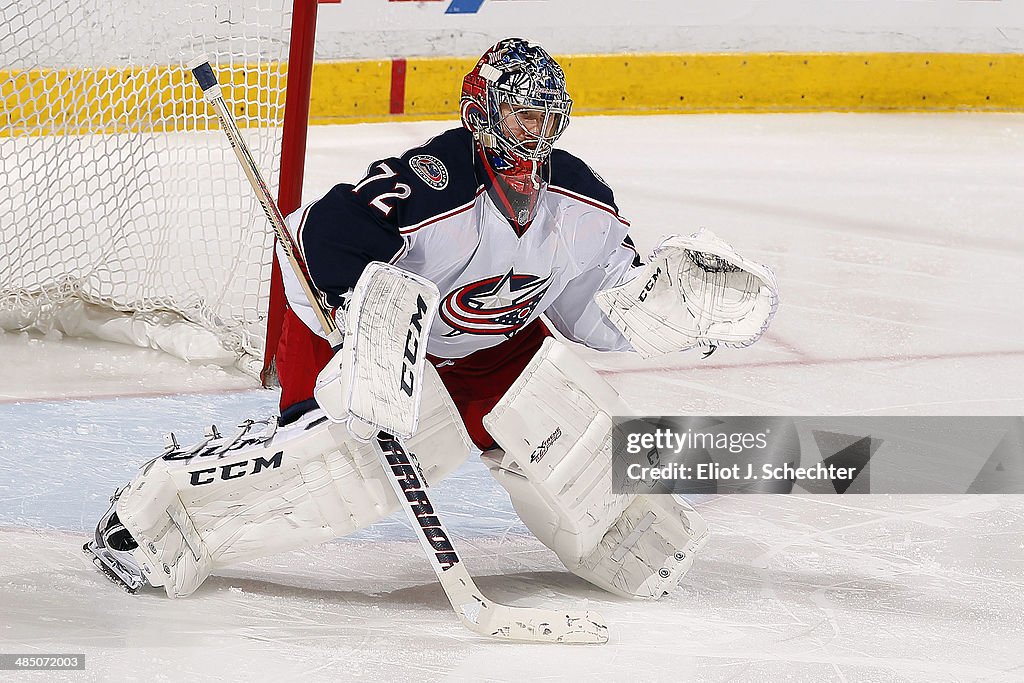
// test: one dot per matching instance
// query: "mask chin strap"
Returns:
(499, 193)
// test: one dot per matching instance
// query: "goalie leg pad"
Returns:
(554, 425)
(261, 492)
(648, 550)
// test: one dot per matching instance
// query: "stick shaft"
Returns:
(204, 74)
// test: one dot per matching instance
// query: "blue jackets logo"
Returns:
(496, 305)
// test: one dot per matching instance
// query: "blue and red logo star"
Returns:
(501, 304)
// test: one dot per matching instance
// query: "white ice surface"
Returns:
(896, 239)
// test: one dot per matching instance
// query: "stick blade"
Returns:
(532, 625)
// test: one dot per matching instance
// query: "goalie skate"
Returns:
(111, 551)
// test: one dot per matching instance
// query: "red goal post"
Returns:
(293, 159)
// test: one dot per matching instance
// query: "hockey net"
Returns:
(123, 212)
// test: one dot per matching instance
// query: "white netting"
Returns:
(118, 190)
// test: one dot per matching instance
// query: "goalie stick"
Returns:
(478, 613)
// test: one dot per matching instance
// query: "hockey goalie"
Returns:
(453, 252)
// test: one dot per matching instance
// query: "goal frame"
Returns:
(114, 189)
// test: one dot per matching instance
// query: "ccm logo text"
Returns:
(412, 345)
(235, 470)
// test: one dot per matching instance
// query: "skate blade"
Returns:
(127, 585)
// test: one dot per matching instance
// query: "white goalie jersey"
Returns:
(427, 213)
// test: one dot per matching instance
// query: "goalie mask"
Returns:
(515, 103)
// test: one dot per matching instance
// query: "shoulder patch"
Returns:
(430, 170)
